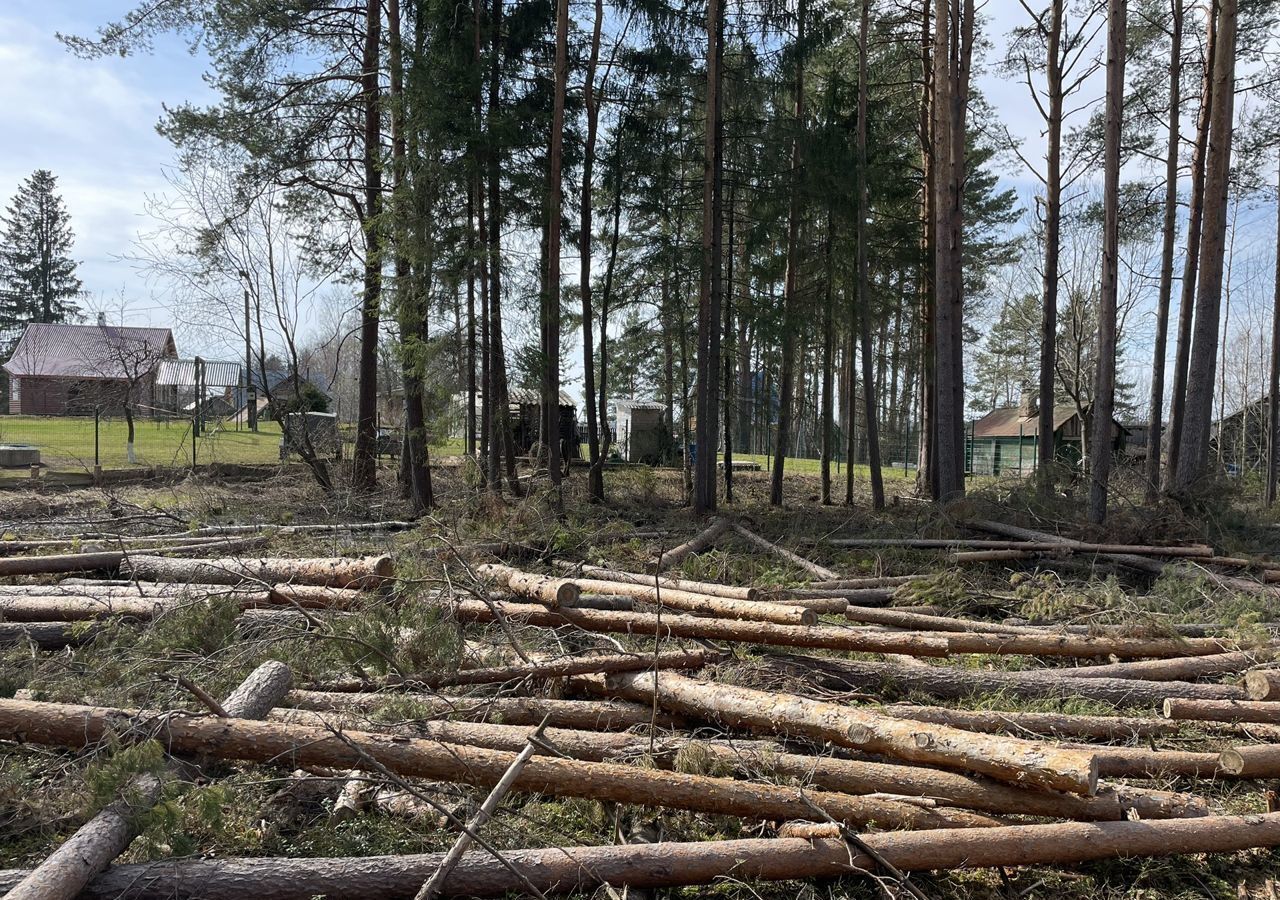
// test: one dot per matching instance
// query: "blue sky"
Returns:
(92, 123)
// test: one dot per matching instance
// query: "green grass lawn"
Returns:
(814, 467)
(66, 444)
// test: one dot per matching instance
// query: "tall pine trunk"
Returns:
(828, 363)
(1168, 242)
(551, 374)
(1194, 456)
(711, 287)
(595, 475)
(1104, 382)
(1191, 264)
(364, 466)
(872, 426)
(953, 47)
(786, 379)
(1273, 395)
(926, 470)
(1052, 228)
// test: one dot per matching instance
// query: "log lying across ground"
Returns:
(567, 870)
(954, 682)
(344, 572)
(45, 635)
(543, 588)
(1222, 710)
(1049, 724)
(1048, 643)
(1012, 760)
(105, 836)
(72, 608)
(1033, 546)
(68, 725)
(882, 581)
(673, 625)
(107, 560)
(600, 573)
(540, 668)
(800, 562)
(1174, 668)
(699, 542)
(1263, 684)
(752, 758)
(1260, 761)
(898, 618)
(509, 710)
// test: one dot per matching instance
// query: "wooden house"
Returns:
(1006, 440)
(67, 370)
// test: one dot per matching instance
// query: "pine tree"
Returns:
(37, 274)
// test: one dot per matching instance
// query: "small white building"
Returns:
(640, 430)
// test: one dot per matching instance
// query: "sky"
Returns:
(93, 124)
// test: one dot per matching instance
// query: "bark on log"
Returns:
(105, 560)
(602, 715)
(1060, 725)
(1006, 759)
(543, 588)
(68, 725)
(980, 556)
(362, 572)
(961, 544)
(46, 635)
(883, 581)
(66, 871)
(751, 758)
(712, 589)
(1173, 668)
(687, 601)
(548, 668)
(600, 621)
(850, 595)
(954, 682)
(1130, 560)
(1222, 710)
(1049, 643)
(897, 618)
(1140, 762)
(567, 870)
(1263, 684)
(699, 542)
(264, 689)
(800, 562)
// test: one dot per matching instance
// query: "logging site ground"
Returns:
(988, 700)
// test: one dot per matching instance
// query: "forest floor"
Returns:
(45, 794)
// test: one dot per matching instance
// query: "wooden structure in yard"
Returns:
(69, 370)
(642, 432)
(1239, 441)
(1005, 440)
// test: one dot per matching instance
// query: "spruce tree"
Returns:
(38, 280)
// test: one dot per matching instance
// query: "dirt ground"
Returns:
(239, 811)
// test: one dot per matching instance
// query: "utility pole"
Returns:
(250, 395)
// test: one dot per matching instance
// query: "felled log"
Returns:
(1129, 560)
(699, 542)
(1006, 759)
(85, 854)
(45, 635)
(899, 619)
(978, 556)
(1142, 762)
(1259, 761)
(1222, 710)
(750, 758)
(541, 668)
(850, 595)
(68, 725)
(1173, 668)
(958, 544)
(1262, 684)
(66, 871)
(573, 870)
(1048, 643)
(543, 588)
(673, 625)
(358, 572)
(954, 682)
(800, 562)
(1062, 725)
(687, 601)
(600, 573)
(104, 560)
(880, 581)
(511, 710)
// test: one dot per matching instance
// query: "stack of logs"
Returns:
(866, 784)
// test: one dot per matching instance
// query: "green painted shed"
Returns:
(1006, 440)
